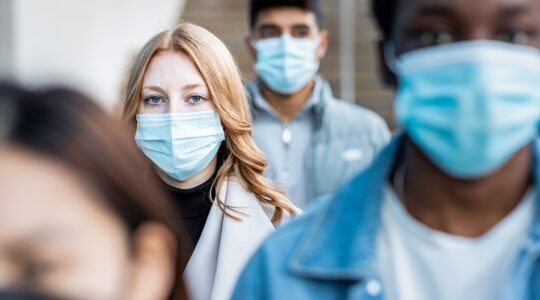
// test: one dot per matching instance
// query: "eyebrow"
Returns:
(192, 86)
(513, 10)
(447, 11)
(42, 234)
(275, 26)
(300, 26)
(155, 88)
(186, 87)
(267, 26)
(436, 10)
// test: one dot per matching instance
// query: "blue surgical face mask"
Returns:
(180, 144)
(286, 64)
(469, 106)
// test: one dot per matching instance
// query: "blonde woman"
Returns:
(186, 103)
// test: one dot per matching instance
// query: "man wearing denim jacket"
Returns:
(313, 142)
(449, 209)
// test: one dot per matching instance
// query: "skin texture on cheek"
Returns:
(73, 244)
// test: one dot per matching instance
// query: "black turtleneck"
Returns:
(193, 208)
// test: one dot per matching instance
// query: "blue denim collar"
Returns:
(340, 245)
(535, 228)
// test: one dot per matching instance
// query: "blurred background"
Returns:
(90, 45)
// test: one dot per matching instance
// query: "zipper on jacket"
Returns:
(286, 137)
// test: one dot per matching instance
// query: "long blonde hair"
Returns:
(221, 74)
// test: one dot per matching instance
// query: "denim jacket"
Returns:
(329, 253)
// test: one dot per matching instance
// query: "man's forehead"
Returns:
(470, 6)
(286, 16)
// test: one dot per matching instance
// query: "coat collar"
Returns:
(226, 245)
(340, 245)
(325, 94)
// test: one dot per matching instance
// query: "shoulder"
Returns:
(236, 194)
(287, 235)
(347, 116)
(270, 264)
(233, 190)
(350, 113)
(347, 121)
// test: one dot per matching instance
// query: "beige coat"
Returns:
(226, 245)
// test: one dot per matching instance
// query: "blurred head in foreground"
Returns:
(76, 220)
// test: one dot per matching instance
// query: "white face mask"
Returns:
(180, 144)
(286, 64)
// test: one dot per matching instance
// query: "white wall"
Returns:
(86, 44)
(6, 34)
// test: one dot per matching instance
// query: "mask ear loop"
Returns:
(390, 57)
(393, 64)
(318, 39)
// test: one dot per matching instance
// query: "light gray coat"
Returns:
(346, 139)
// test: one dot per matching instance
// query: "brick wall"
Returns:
(228, 19)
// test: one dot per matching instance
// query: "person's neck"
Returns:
(288, 106)
(462, 207)
(194, 181)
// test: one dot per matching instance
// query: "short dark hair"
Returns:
(384, 12)
(256, 6)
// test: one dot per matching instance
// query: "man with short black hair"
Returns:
(450, 209)
(313, 142)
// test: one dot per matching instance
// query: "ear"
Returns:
(323, 45)
(389, 78)
(153, 263)
(249, 47)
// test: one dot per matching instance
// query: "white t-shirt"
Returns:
(420, 263)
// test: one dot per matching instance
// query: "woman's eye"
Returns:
(196, 99)
(435, 38)
(153, 100)
(515, 37)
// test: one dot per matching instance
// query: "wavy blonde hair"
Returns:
(221, 74)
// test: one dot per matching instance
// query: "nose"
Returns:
(477, 33)
(176, 104)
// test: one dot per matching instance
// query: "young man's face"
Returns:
(456, 99)
(425, 23)
(296, 22)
